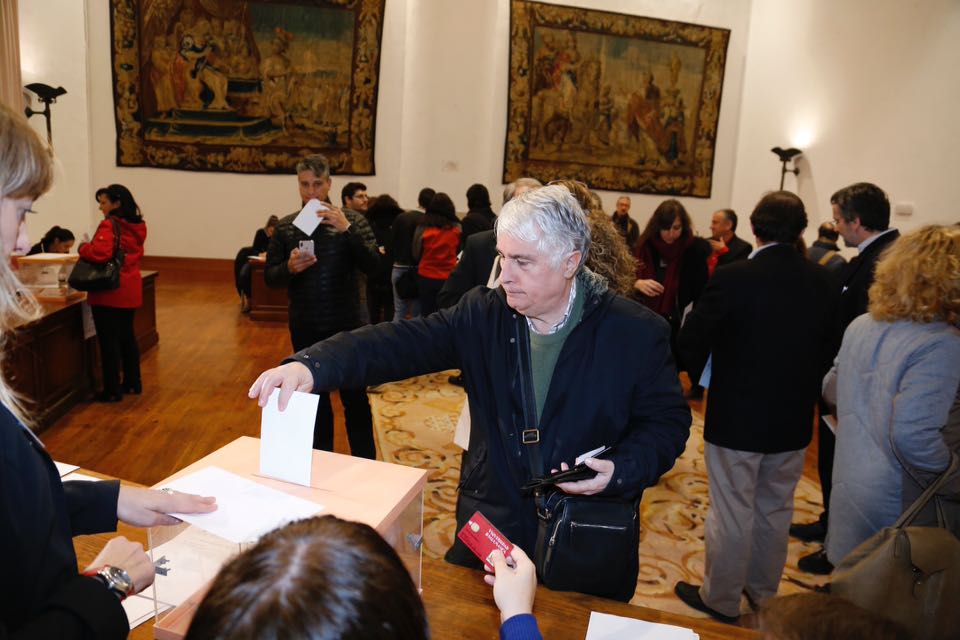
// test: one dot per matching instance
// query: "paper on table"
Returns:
(63, 468)
(286, 439)
(141, 608)
(80, 476)
(307, 220)
(604, 626)
(245, 510)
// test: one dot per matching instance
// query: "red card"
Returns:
(483, 538)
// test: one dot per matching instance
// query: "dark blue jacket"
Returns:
(615, 383)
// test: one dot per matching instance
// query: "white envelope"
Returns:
(307, 220)
(286, 438)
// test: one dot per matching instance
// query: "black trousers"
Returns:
(356, 406)
(429, 289)
(826, 445)
(118, 346)
(380, 302)
(241, 270)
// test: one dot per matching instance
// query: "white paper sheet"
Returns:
(81, 476)
(63, 468)
(286, 438)
(604, 626)
(245, 510)
(140, 608)
(307, 220)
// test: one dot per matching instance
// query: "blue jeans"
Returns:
(400, 306)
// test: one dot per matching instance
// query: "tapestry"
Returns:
(620, 102)
(246, 87)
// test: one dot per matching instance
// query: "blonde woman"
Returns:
(46, 597)
(894, 382)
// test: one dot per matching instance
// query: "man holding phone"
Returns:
(319, 271)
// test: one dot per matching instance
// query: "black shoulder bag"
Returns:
(588, 544)
(104, 276)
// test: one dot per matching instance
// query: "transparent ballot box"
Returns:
(46, 274)
(385, 496)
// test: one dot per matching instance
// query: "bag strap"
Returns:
(825, 258)
(913, 510)
(530, 437)
(116, 239)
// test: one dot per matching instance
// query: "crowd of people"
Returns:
(570, 327)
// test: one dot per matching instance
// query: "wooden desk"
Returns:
(145, 319)
(460, 605)
(266, 304)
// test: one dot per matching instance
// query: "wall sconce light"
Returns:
(787, 155)
(46, 94)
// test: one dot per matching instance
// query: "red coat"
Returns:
(100, 249)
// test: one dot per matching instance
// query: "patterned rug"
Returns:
(414, 422)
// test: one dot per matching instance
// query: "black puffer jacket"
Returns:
(325, 297)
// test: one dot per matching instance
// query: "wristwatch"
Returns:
(115, 579)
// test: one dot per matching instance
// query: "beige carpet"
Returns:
(414, 423)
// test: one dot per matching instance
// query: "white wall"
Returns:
(869, 92)
(70, 202)
(441, 119)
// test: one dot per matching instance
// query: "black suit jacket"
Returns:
(43, 596)
(857, 277)
(769, 324)
(473, 270)
(738, 250)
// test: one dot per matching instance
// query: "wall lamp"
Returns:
(787, 155)
(46, 94)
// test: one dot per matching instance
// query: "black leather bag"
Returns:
(407, 286)
(588, 544)
(105, 276)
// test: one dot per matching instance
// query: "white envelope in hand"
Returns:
(286, 438)
(308, 218)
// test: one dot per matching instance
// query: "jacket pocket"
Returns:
(471, 474)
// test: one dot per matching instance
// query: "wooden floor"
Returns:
(195, 382)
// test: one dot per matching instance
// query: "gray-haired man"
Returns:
(591, 387)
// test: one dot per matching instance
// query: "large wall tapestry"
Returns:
(250, 87)
(620, 102)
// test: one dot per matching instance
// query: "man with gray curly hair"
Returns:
(551, 330)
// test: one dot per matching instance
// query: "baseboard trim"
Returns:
(167, 263)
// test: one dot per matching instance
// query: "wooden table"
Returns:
(460, 605)
(266, 303)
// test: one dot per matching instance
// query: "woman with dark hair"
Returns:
(480, 217)
(241, 264)
(381, 213)
(113, 310)
(435, 245)
(56, 240)
(672, 264)
(330, 578)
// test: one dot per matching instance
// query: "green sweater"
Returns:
(545, 350)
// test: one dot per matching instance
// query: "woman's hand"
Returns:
(514, 588)
(649, 288)
(149, 508)
(129, 556)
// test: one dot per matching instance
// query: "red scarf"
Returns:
(654, 250)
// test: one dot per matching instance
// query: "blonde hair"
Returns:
(918, 278)
(609, 256)
(26, 171)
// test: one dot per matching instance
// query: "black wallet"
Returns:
(578, 472)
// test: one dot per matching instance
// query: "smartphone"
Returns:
(306, 247)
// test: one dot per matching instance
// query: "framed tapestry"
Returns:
(620, 102)
(247, 87)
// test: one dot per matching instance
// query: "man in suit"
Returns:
(861, 213)
(727, 247)
(768, 324)
(627, 226)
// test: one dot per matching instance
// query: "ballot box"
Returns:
(387, 497)
(46, 275)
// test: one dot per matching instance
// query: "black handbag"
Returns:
(407, 286)
(588, 544)
(104, 276)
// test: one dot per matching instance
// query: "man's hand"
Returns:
(335, 218)
(514, 588)
(598, 483)
(130, 557)
(718, 245)
(290, 377)
(649, 288)
(149, 508)
(298, 262)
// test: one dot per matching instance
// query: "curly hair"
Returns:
(609, 256)
(918, 278)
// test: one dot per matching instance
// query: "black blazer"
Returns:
(738, 250)
(856, 279)
(43, 594)
(473, 270)
(769, 324)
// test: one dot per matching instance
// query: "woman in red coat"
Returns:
(113, 310)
